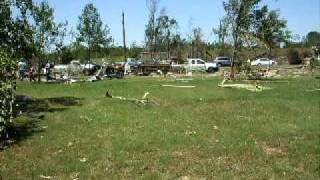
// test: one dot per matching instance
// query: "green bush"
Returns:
(7, 95)
(293, 56)
(306, 54)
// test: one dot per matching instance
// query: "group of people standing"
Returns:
(29, 72)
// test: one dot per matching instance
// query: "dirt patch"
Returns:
(186, 155)
(275, 150)
(300, 168)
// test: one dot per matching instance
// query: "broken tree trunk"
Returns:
(144, 100)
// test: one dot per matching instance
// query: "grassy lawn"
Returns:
(73, 131)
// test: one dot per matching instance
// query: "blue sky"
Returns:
(302, 15)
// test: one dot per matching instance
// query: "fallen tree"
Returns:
(168, 85)
(144, 100)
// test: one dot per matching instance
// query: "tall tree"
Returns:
(150, 32)
(313, 38)
(221, 31)
(197, 42)
(7, 96)
(165, 30)
(44, 31)
(270, 29)
(240, 18)
(61, 33)
(15, 29)
(177, 46)
(91, 30)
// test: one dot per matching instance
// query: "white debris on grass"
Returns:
(313, 90)
(83, 159)
(86, 118)
(191, 133)
(74, 176)
(168, 85)
(145, 95)
(249, 87)
(143, 101)
(45, 177)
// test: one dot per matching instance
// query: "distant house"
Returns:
(282, 45)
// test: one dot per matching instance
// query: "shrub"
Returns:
(7, 96)
(293, 56)
(306, 54)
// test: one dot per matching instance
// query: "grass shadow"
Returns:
(29, 112)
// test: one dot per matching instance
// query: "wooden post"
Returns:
(124, 38)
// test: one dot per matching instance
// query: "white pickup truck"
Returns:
(199, 65)
(76, 66)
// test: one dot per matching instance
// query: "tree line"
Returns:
(32, 32)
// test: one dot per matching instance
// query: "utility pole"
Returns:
(124, 38)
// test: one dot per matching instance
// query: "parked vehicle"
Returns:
(147, 69)
(133, 62)
(114, 71)
(222, 61)
(90, 68)
(263, 62)
(200, 65)
(73, 64)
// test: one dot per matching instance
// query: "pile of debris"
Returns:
(256, 87)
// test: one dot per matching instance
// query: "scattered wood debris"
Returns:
(187, 79)
(86, 118)
(265, 81)
(83, 160)
(145, 100)
(45, 177)
(75, 176)
(191, 133)
(313, 90)
(250, 87)
(167, 85)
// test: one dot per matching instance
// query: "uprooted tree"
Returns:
(7, 96)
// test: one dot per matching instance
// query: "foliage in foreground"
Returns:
(7, 86)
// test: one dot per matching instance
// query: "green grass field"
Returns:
(73, 131)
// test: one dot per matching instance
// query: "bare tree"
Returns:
(150, 32)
